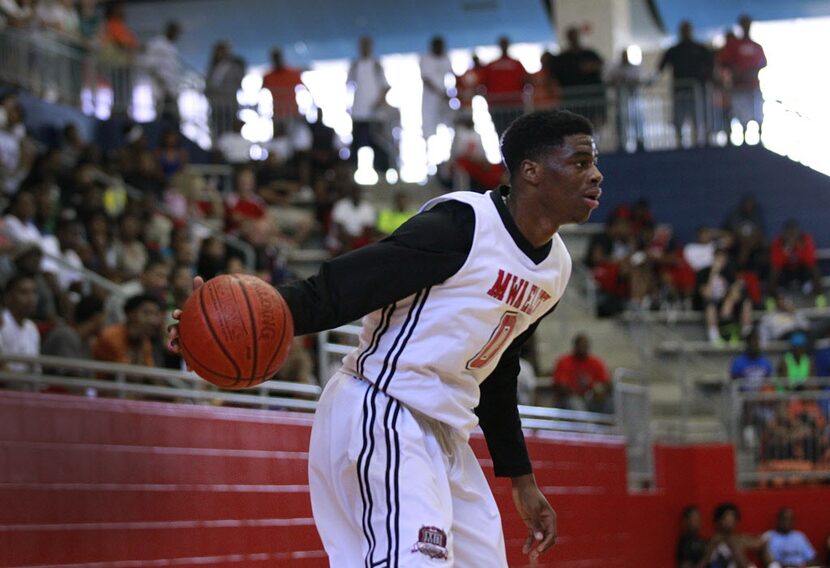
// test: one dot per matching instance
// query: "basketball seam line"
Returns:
(216, 337)
(253, 328)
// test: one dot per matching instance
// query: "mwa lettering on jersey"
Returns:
(517, 292)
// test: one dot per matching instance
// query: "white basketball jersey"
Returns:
(432, 350)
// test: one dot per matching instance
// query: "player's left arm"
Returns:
(498, 415)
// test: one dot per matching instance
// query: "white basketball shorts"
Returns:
(389, 489)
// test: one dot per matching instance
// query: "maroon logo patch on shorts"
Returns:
(432, 541)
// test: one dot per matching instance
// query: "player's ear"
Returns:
(530, 171)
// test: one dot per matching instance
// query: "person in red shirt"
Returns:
(469, 84)
(504, 81)
(742, 59)
(244, 205)
(581, 380)
(793, 260)
(282, 81)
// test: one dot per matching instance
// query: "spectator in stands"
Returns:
(324, 153)
(435, 71)
(59, 16)
(579, 71)
(581, 380)
(133, 341)
(162, 61)
(128, 254)
(469, 167)
(73, 147)
(390, 218)
(796, 365)
(181, 286)
(28, 261)
(17, 150)
(742, 59)
(701, 253)
(728, 547)
(118, 49)
(171, 153)
(75, 340)
(783, 321)
(627, 78)
(292, 223)
(69, 234)
(89, 22)
(692, 545)
(692, 66)
(212, 258)
(19, 334)
(353, 221)
(469, 84)
(751, 368)
(607, 258)
(806, 422)
(244, 204)
(20, 218)
(546, 92)
(154, 281)
(129, 155)
(369, 84)
(793, 262)
(728, 310)
(504, 80)
(746, 217)
(234, 148)
(223, 80)
(148, 176)
(15, 13)
(282, 82)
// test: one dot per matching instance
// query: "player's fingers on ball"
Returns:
(197, 281)
(177, 314)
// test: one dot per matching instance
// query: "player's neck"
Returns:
(537, 227)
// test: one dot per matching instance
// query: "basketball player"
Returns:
(447, 302)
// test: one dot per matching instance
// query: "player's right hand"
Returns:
(173, 331)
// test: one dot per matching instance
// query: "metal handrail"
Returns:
(138, 371)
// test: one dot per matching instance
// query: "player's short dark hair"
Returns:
(530, 135)
(135, 302)
(722, 509)
(87, 308)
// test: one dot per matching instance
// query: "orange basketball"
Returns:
(235, 331)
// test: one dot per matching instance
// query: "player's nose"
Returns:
(596, 176)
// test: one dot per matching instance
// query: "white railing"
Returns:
(94, 378)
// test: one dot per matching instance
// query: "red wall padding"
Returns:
(118, 484)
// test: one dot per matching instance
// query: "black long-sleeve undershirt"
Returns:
(424, 251)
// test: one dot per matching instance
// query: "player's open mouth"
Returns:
(591, 197)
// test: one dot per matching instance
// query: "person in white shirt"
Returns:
(13, 14)
(60, 16)
(162, 61)
(369, 84)
(435, 69)
(234, 147)
(19, 334)
(352, 221)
